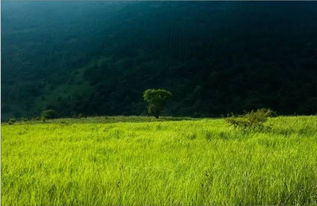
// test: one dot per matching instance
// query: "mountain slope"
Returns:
(96, 58)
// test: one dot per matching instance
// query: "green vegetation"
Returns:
(99, 161)
(48, 114)
(215, 57)
(251, 120)
(156, 99)
(11, 121)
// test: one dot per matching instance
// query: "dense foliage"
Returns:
(48, 114)
(96, 58)
(250, 120)
(156, 100)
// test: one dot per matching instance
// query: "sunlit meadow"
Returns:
(100, 161)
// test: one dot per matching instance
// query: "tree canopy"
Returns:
(156, 99)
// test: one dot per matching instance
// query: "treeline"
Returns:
(215, 57)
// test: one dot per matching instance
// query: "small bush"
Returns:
(48, 114)
(251, 120)
(11, 121)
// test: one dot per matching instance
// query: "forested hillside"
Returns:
(96, 58)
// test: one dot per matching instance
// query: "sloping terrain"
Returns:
(96, 58)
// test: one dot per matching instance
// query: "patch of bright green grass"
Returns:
(201, 162)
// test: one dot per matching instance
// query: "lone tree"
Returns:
(156, 99)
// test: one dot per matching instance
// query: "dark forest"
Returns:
(97, 58)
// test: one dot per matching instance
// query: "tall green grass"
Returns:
(202, 162)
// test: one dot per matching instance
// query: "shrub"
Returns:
(251, 120)
(11, 121)
(48, 114)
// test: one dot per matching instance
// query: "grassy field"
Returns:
(180, 162)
